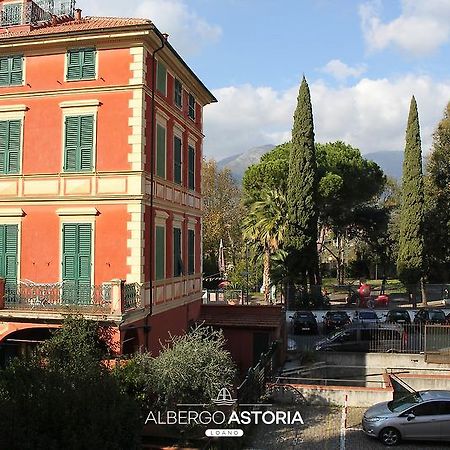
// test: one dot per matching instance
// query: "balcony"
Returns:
(114, 298)
(34, 12)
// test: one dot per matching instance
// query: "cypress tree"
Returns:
(437, 204)
(411, 241)
(302, 189)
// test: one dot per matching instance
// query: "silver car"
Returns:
(423, 415)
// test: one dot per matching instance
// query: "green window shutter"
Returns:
(160, 263)
(178, 95)
(4, 131)
(191, 169)
(10, 137)
(161, 78)
(13, 159)
(88, 63)
(191, 252)
(81, 64)
(160, 151)
(86, 142)
(84, 252)
(177, 261)
(70, 251)
(191, 111)
(177, 159)
(73, 65)
(16, 70)
(77, 243)
(79, 143)
(4, 71)
(8, 252)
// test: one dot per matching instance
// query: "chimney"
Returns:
(54, 21)
(78, 15)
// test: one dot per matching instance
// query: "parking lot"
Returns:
(323, 429)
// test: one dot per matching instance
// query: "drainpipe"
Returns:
(163, 39)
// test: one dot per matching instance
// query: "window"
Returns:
(81, 64)
(177, 260)
(76, 263)
(160, 151)
(11, 14)
(160, 260)
(10, 137)
(191, 111)
(191, 252)
(11, 70)
(178, 95)
(8, 253)
(427, 409)
(161, 78)
(177, 159)
(191, 168)
(79, 143)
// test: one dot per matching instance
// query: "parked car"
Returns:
(365, 317)
(398, 315)
(430, 316)
(304, 322)
(423, 415)
(334, 320)
(365, 337)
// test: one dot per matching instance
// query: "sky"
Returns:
(363, 61)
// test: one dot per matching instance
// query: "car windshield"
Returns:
(335, 334)
(367, 315)
(303, 315)
(338, 315)
(405, 402)
(399, 314)
(437, 315)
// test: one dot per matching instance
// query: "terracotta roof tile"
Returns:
(242, 316)
(71, 25)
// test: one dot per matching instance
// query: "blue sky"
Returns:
(363, 61)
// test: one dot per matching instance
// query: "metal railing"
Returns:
(27, 294)
(131, 295)
(253, 387)
(34, 12)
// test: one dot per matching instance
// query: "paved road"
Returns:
(323, 431)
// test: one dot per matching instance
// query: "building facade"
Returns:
(100, 189)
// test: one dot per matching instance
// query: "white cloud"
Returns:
(342, 71)
(370, 114)
(188, 31)
(421, 28)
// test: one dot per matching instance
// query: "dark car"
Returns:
(304, 322)
(366, 317)
(334, 320)
(365, 337)
(430, 316)
(398, 315)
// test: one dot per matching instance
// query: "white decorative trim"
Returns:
(11, 212)
(135, 244)
(13, 108)
(77, 212)
(178, 220)
(80, 103)
(161, 115)
(161, 215)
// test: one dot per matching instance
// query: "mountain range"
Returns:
(391, 162)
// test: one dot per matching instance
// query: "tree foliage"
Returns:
(65, 397)
(410, 254)
(222, 214)
(191, 368)
(437, 194)
(302, 187)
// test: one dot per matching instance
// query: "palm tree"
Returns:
(265, 226)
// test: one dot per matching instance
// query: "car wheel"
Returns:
(389, 436)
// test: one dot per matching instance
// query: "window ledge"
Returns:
(77, 212)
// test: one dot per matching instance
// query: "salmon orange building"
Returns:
(100, 154)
